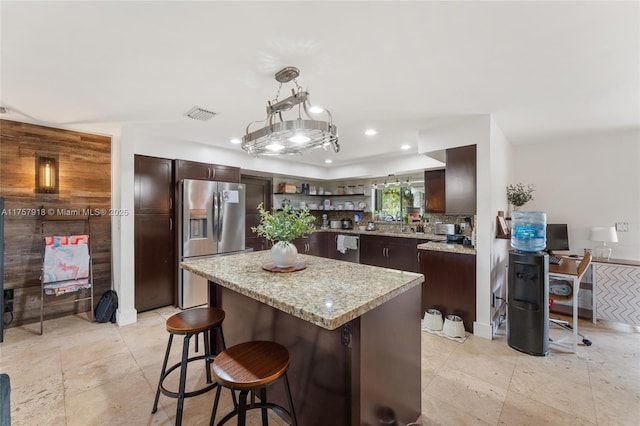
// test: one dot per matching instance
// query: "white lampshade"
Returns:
(606, 234)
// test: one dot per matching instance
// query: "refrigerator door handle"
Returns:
(220, 217)
(215, 216)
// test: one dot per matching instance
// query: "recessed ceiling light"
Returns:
(316, 109)
(370, 132)
(328, 161)
(236, 141)
(405, 146)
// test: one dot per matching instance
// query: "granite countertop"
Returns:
(416, 235)
(328, 293)
(450, 248)
(432, 241)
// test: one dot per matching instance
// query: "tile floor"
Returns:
(82, 373)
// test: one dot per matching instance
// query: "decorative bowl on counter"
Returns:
(362, 227)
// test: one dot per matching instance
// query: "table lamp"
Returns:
(604, 235)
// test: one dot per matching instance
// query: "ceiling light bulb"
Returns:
(236, 141)
(370, 132)
(328, 161)
(275, 146)
(316, 109)
(405, 146)
(299, 138)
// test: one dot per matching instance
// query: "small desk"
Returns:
(568, 270)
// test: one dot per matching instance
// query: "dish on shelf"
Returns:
(362, 205)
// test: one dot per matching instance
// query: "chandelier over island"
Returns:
(296, 133)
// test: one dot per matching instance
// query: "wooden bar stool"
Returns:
(190, 323)
(250, 367)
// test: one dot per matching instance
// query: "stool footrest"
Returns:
(171, 394)
(258, 405)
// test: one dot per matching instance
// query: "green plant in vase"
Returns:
(518, 195)
(281, 227)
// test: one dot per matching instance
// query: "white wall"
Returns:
(500, 165)
(585, 182)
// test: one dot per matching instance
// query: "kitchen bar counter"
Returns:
(327, 293)
(352, 331)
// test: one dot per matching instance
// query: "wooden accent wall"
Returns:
(84, 162)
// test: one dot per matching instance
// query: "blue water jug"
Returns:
(529, 230)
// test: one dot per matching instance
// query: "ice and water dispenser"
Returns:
(528, 285)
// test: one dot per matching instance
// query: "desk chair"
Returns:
(582, 268)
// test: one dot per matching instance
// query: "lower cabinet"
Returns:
(450, 284)
(314, 244)
(389, 252)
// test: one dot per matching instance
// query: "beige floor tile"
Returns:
(489, 361)
(39, 403)
(560, 381)
(98, 372)
(110, 374)
(111, 403)
(437, 412)
(521, 410)
(467, 393)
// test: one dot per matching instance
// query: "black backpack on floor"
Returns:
(107, 306)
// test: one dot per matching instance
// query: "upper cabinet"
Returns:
(460, 178)
(434, 184)
(203, 171)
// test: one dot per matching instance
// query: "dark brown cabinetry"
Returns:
(257, 190)
(460, 183)
(155, 262)
(203, 171)
(434, 184)
(450, 284)
(389, 252)
(314, 244)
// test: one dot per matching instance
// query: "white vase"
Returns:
(284, 254)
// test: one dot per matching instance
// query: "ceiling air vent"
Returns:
(200, 114)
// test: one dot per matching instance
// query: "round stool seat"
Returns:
(251, 364)
(194, 320)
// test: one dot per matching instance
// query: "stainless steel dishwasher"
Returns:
(348, 247)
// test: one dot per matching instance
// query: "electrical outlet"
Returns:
(622, 226)
(8, 300)
(463, 226)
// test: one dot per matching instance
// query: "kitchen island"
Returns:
(352, 331)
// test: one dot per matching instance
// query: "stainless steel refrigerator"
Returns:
(211, 223)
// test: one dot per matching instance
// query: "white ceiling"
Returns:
(544, 70)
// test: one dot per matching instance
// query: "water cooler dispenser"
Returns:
(528, 302)
(528, 285)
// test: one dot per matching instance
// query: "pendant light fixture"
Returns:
(296, 133)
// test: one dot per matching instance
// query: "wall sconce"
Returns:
(46, 175)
